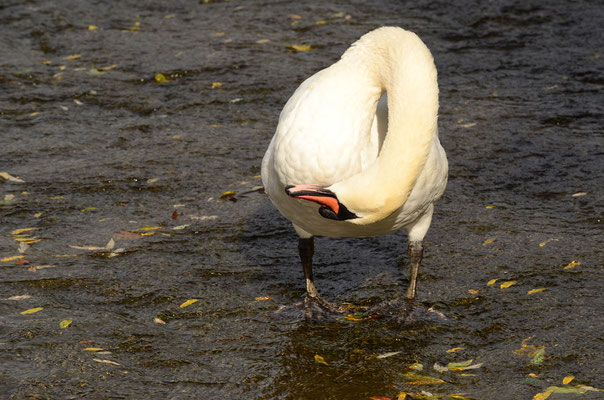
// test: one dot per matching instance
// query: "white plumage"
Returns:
(361, 136)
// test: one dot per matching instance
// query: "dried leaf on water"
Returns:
(416, 366)
(542, 395)
(475, 291)
(11, 178)
(12, 258)
(507, 284)
(572, 264)
(422, 379)
(228, 195)
(125, 235)
(105, 361)
(459, 366)
(386, 355)
(455, 349)
(158, 320)
(106, 68)
(20, 231)
(299, 47)
(32, 310)
(440, 368)
(359, 316)
(148, 228)
(320, 359)
(538, 357)
(579, 389)
(21, 297)
(110, 245)
(492, 282)
(536, 353)
(188, 303)
(567, 379)
(65, 323)
(547, 241)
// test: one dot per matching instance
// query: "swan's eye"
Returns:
(328, 213)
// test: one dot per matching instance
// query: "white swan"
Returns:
(342, 164)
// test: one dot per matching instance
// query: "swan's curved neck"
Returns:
(398, 63)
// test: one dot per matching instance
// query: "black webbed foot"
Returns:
(405, 311)
(316, 307)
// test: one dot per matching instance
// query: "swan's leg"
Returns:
(306, 247)
(416, 249)
(416, 253)
(315, 306)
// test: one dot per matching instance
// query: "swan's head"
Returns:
(331, 207)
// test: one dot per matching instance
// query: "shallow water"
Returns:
(104, 149)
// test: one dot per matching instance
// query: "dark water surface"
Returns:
(105, 150)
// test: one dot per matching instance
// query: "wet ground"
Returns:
(97, 146)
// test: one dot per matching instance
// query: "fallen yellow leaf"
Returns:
(65, 323)
(507, 284)
(492, 282)
(74, 57)
(92, 27)
(543, 395)
(532, 291)
(12, 258)
(262, 298)
(422, 379)
(227, 194)
(489, 207)
(148, 228)
(92, 349)
(455, 349)
(568, 379)
(488, 241)
(547, 241)
(320, 359)
(216, 84)
(19, 231)
(474, 291)
(572, 264)
(32, 310)
(188, 303)
(401, 396)
(160, 78)
(107, 68)
(299, 47)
